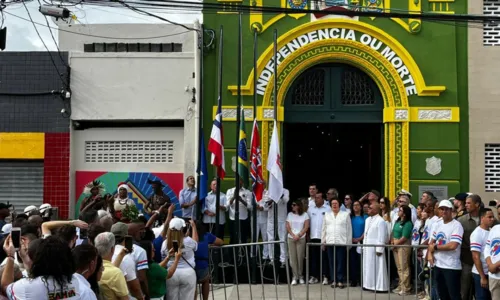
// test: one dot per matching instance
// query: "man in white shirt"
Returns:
(478, 240)
(403, 199)
(209, 211)
(444, 253)
(188, 199)
(316, 215)
(245, 205)
(492, 256)
(282, 214)
(313, 189)
(128, 265)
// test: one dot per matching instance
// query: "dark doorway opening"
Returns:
(345, 156)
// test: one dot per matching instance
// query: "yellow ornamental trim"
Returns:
(422, 88)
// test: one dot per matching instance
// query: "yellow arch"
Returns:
(395, 45)
(364, 58)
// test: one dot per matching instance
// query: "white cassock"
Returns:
(374, 267)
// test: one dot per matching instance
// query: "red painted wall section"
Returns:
(56, 172)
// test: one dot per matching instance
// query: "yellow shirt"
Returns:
(112, 284)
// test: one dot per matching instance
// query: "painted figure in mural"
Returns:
(120, 203)
(158, 201)
(96, 189)
(158, 198)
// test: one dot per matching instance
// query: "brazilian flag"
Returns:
(242, 152)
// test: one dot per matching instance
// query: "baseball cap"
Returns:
(7, 228)
(446, 203)
(119, 229)
(3, 205)
(405, 192)
(177, 224)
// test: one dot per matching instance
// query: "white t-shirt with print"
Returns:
(478, 240)
(297, 223)
(429, 223)
(140, 257)
(443, 234)
(128, 266)
(415, 234)
(187, 260)
(492, 249)
(41, 289)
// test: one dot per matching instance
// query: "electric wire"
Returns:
(45, 45)
(98, 36)
(63, 61)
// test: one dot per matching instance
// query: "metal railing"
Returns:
(387, 251)
(230, 258)
(239, 269)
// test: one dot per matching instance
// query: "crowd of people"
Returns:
(114, 251)
(452, 244)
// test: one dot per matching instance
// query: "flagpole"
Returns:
(275, 103)
(200, 127)
(254, 204)
(238, 120)
(217, 191)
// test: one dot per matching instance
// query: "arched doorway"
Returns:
(333, 131)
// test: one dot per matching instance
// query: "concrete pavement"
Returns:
(316, 291)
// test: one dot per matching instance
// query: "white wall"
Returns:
(127, 86)
(134, 86)
(80, 137)
(124, 33)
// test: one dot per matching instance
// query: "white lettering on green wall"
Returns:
(337, 33)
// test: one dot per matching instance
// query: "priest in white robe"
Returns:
(374, 265)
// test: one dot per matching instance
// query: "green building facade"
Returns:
(363, 103)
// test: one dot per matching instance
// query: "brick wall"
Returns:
(31, 73)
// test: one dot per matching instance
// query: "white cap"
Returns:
(176, 224)
(7, 228)
(446, 203)
(30, 209)
(44, 207)
(405, 192)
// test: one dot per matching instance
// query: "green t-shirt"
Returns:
(157, 280)
(402, 230)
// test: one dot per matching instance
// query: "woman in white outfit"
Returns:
(182, 284)
(297, 225)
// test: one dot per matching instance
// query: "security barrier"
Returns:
(239, 269)
(361, 293)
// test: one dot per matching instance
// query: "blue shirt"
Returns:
(201, 255)
(186, 196)
(358, 226)
(157, 242)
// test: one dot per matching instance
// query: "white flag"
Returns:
(275, 188)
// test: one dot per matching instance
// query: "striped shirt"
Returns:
(442, 235)
(478, 240)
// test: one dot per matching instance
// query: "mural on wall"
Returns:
(138, 183)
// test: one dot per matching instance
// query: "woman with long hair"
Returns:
(202, 255)
(51, 275)
(183, 236)
(297, 225)
(401, 235)
(358, 230)
(158, 274)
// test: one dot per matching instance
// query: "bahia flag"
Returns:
(243, 152)
(275, 188)
(256, 163)
(202, 170)
(216, 144)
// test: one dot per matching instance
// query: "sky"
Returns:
(21, 35)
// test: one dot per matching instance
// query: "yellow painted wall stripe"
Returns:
(25, 145)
